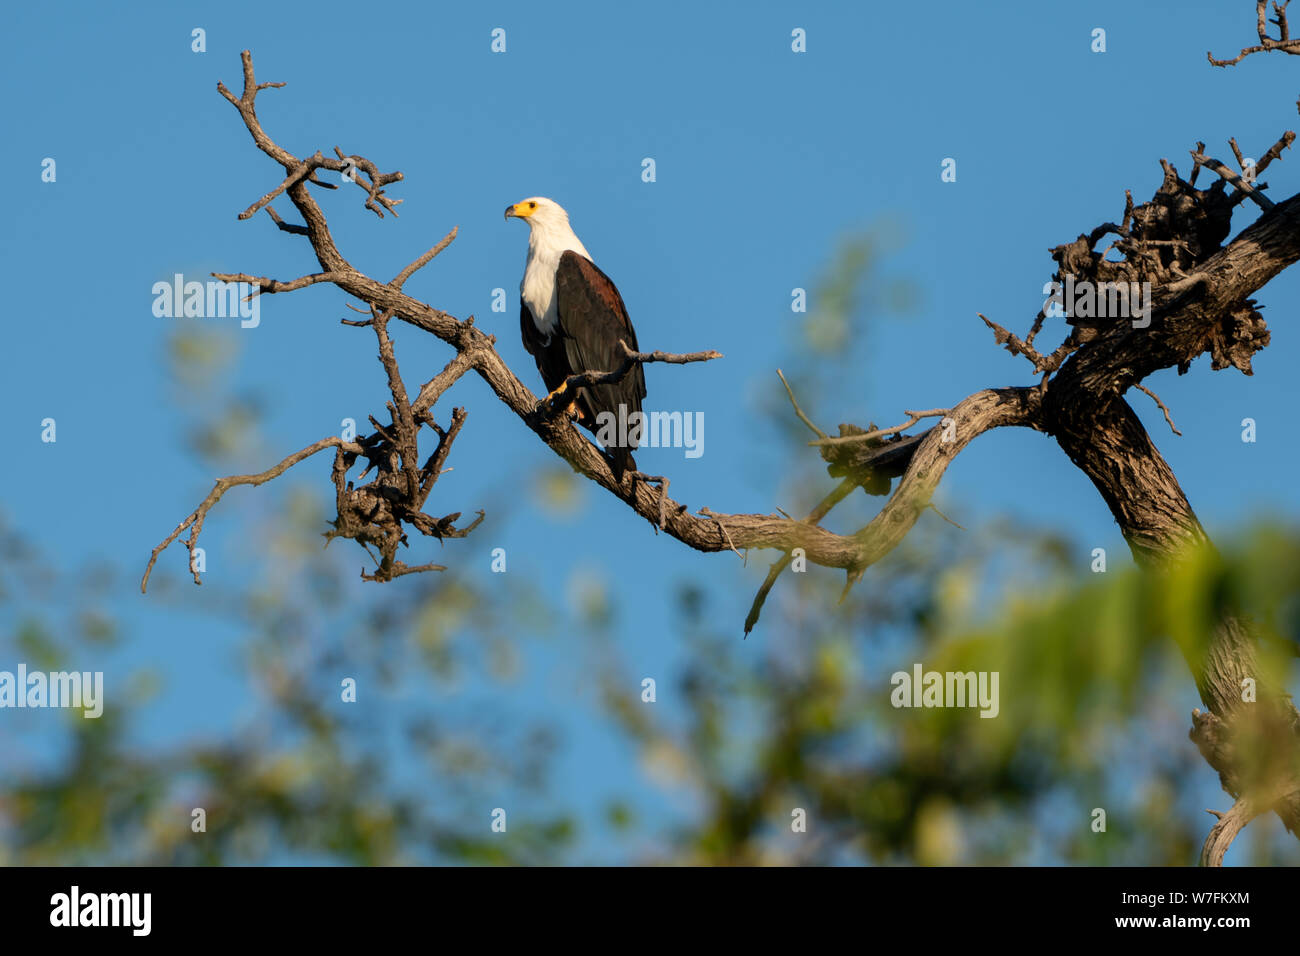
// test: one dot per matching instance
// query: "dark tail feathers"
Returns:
(620, 461)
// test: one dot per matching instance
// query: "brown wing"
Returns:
(551, 359)
(592, 322)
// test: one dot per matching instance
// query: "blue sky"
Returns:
(764, 160)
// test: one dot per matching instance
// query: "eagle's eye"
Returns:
(532, 205)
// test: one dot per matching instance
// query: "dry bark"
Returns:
(1201, 304)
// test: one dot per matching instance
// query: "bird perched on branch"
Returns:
(573, 319)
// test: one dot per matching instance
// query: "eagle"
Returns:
(573, 319)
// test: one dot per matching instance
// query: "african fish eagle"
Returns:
(572, 319)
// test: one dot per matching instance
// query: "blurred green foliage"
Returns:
(1093, 699)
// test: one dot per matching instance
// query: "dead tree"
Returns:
(1200, 302)
(1282, 42)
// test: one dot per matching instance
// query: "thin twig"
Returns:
(799, 411)
(559, 400)
(913, 418)
(425, 259)
(1163, 407)
(1252, 192)
(195, 520)
(823, 508)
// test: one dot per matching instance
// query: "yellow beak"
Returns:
(520, 210)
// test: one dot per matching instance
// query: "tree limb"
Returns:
(1199, 303)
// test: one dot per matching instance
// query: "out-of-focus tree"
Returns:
(796, 718)
(300, 779)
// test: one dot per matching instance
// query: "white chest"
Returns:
(537, 289)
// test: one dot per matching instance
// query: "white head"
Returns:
(549, 237)
(548, 224)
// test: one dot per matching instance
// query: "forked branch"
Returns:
(1200, 302)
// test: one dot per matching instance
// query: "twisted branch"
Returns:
(1201, 304)
(1266, 44)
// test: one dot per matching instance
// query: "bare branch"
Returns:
(1275, 151)
(824, 507)
(1283, 42)
(424, 260)
(433, 389)
(1252, 192)
(285, 226)
(1016, 346)
(1225, 830)
(913, 418)
(631, 360)
(301, 172)
(272, 286)
(799, 411)
(195, 519)
(1156, 398)
(1201, 302)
